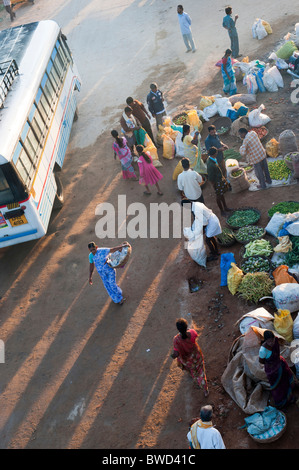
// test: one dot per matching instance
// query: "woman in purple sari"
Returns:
(279, 374)
(121, 148)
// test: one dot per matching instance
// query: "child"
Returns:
(149, 175)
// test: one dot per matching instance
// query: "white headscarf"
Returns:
(202, 212)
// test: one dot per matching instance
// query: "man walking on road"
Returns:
(185, 24)
(230, 24)
(155, 102)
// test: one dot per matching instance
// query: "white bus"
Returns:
(38, 86)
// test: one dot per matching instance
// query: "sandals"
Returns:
(146, 193)
(122, 301)
(160, 194)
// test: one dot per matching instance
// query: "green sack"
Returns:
(286, 50)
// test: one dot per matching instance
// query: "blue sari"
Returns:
(107, 274)
(230, 86)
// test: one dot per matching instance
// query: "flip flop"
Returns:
(122, 301)
(160, 194)
(146, 193)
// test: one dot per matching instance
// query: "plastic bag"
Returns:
(283, 324)
(259, 80)
(234, 278)
(257, 118)
(260, 30)
(250, 82)
(281, 276)
(272, 148)
(223, 104)
(276, 75)
(168, 147)
(285, 51)
(293, 229)
(225, 264)
(284, 245)
(274, 225)
(269, 82)
(286, 297)
(267, 26)
(210, 111)
(151, 149)
(179, 146)
(193, 120)
(196, 246)
(287, 142)
(206, 101)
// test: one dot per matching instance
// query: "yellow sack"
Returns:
(193, 120)
(245, 59)
(234, 278)
(167, 121)
(267, 26)
(171, 132)
(283, 324)
(159, 138)
(168, 147)
(178, 169)
(272, 148)
(206, 101)
(238, 105)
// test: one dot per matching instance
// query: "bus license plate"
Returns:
(16, 221)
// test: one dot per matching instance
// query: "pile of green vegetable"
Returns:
(258, 248)
(248, 168)
(287, 207)
(226, 238)
(180, 119)
(249, 233)
(243, 217)
(256, 264)
(254, 286)
(236, 173)
(222, 130)
(292, 257)
(279, 170)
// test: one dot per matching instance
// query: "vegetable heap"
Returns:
(226, 237)
(260, 131)
(278, 170)
(256, 264)
(290, 156)
(180, 120)
(292, 257)
(243, 217)
(249, 233)
(248, 168)
(222, 130)
(254, 286)
(258, 248)
(287, 207)
(237, 173)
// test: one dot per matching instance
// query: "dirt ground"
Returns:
(81, 372)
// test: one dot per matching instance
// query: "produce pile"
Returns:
(292, 257)
(236, 173)
(254, 286)
(287, 207)
(180, 120)
(260, 131)
(222, 130)
(279, 170)
(243, 217)
(226, 238)
(249, 233)
(258, 248)
(255, 264)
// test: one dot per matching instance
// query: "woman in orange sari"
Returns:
(189, 355)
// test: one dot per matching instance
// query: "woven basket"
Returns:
(289, 163)
(243, 209)
(273, 438)
(239, 183)
(183, 114)
(223, 122)
(247, 241)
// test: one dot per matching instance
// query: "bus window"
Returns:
(11, 188)
(25, 167)
(6, 194)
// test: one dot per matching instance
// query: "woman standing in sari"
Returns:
(123, 152)
(228, 74)
(279, 374)
(189, 355)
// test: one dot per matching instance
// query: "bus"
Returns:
(39, 83)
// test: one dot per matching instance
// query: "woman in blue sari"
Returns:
(228, 74)
(97, 259)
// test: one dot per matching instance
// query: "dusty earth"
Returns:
(81, 372)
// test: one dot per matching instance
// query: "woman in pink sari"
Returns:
(121, 149)
(149, 175)
(189, 355)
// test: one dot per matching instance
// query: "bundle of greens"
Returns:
(226, 238)
(278, 170)
(243, 217)
(287, 207)
(292, 257)
(254, 286)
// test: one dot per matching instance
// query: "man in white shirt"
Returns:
(202, 434)
(190, 182)
(185, 23)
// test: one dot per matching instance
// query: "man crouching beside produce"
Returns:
(255, 154)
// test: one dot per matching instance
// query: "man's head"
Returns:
(129, 100)
(154, 87)
(128, 111)
(243, 132)
(206, 413)
(185, 163)
(180, 9)
(212, 152)
(228, 10)
(212, 130)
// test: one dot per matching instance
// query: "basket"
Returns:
(223, 122)
(263, 257)
(247, 241)
(242, 252)
(183, 114)
(273, 438)
(289, 163)
(125, 260)
(231, 243)
(243, 209)
(238, 183)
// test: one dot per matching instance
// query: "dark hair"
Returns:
(185, 163)
(91, 245)
(228, 10)
(206, 413)
(228, 52)
(243, 130)
(180, 6)
(128, 109)
(129, 100)
(182, 326)
(140, 150)
(212, 151)
(186, 130)
(211, 128)
(153, 85)
(118, 139)
(268, 334)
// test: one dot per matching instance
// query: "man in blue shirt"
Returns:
(230, 24)
(185, 23)
(213, 141)
(155, 102)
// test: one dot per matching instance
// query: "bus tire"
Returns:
(59, 199)
(76, 115)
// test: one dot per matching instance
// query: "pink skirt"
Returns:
(150, 175)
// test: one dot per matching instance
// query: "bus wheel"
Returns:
(59, 200)
(76, 115)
